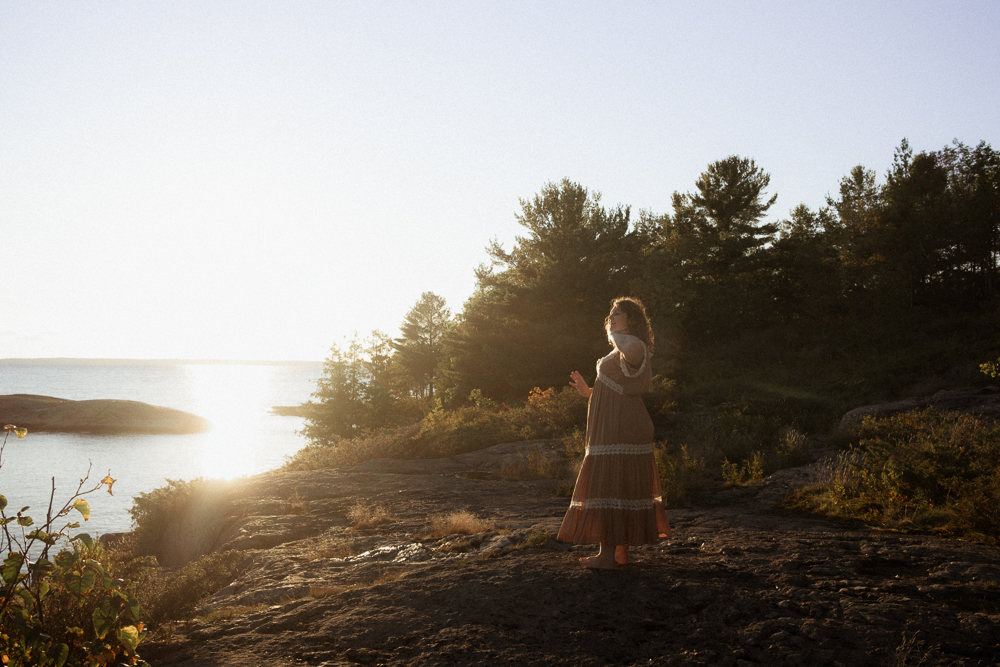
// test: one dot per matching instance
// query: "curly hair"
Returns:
(638, 320)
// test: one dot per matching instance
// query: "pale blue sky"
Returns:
(254, 180)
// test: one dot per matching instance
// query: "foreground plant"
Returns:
(66, 608)
(926, 471)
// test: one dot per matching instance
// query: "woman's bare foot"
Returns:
(604, 560)
(621, 554)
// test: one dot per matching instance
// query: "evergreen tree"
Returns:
(805, 281)
(420, 348)
(361, 389)
(538, 309)
(728, 272)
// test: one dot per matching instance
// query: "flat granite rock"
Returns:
(979, 401)
(741, 582)
(47, 413)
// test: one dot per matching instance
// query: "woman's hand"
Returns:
(578, 383)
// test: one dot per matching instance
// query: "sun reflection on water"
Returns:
(234, 399)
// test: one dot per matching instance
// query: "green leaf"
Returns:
(3, 502)
(99, 569)
(62, 653)
(25, 521)
(134, 609)
(43, 566)
(83, 507)
(81, 584)
(129, 637)
(66, 559)
(104, 618)
(29, 602)
(43, 589)
(85, 538)
(12, 568)
(42, 536)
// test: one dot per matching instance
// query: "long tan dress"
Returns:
(617, 495)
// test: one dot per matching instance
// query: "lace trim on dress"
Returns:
(617, 503)
(624, 364)
(617, 388)
(632, 450)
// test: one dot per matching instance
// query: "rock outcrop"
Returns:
(741, 582)
(979, 401)
(46, 413)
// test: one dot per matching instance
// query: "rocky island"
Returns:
(106, 416)
(741, 582)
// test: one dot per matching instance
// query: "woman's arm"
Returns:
(578, 383)
(631, 347)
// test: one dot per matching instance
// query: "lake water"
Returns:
(236, 398)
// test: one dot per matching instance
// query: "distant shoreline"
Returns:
(153, 362)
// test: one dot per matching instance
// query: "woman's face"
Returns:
(617, 320)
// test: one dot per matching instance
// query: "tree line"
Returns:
(923, 243)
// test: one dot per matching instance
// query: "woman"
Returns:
(617, 501)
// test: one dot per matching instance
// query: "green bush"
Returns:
(175, 596)
(66, 608)
(927, 471)
(681, 476)
(151, 512)
(447, 432)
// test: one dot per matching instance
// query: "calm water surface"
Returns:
(236, 399)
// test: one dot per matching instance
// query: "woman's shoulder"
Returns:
(632, 348)
(625, 341)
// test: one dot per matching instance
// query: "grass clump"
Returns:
(294, 505)
(922, 471)
(368, 515)
(462, 522)
(537, 538)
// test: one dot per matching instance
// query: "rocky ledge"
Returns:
(46, 413)
(979, 401)
(741, 582)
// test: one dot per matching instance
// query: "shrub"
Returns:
(681, 475)
(152, 512)
(918, 471)
(747, 472)
(175, 595)
(66, 608)
(447, 432)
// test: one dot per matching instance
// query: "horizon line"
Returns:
(162, 360)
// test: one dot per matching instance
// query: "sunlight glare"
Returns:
(233, 399)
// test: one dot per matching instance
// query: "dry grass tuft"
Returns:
(462, 522)
(343, 549)
(368, 515)
(294, 505)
